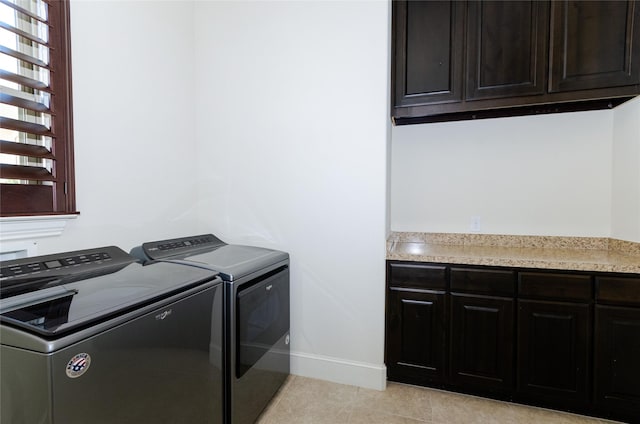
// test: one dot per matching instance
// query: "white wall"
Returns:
(292, 133)
(537, 175)
(285, 147)
(133, 117)
(626, 172)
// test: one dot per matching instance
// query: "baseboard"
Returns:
(369, 376)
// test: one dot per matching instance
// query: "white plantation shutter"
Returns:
(36, 146)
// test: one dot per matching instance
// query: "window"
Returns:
(36, 134)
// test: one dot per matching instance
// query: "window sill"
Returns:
(20, 228)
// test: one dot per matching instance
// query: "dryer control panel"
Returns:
(169, 248)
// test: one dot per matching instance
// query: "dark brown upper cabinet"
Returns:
(506, 48)
(429, 37)
(593, 44)
(457, 60)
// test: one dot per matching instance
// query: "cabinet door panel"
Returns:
(506, 48)
(416, 336)
(618, 290)
(555, 286)
(593, 44)
(482, 342)
(617, 363)
(554, 352)
(416, 275)
(493, 282)
(428, 48)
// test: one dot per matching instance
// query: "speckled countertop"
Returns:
(546, 252)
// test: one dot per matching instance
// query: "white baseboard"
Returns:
(369, 376)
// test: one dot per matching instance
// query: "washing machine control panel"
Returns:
(78, 261)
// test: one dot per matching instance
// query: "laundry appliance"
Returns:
(93, 336)
(256, 315)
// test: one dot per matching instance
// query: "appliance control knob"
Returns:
(286, 340)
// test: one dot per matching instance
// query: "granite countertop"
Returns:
(545, 252)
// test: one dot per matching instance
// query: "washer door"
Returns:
(161, 367)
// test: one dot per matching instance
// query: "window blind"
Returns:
(36, 146)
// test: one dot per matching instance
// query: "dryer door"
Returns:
(262, 319)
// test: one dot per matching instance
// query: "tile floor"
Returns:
(307, 401)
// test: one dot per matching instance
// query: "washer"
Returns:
(92, 336)
(256, 335)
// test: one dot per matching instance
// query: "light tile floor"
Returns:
(307, 401)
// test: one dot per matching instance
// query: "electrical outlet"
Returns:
(475, 224)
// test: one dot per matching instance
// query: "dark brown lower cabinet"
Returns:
(617, 361)
(416, 336)
(554, 345)
(482, 342)
(568, 340)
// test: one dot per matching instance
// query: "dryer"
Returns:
(256, 315)
(92, 336)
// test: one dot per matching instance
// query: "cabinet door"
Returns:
(506, 48)
(617, 361)
(595, 44)
(416, 336)
(554, 352)
(482, 334)
(428, 51)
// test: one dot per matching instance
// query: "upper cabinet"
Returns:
(429, 38)
(506, 48)
(462, 60)
(594, 45)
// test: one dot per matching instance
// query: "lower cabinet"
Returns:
(617, 348)
(560, 339)
(416, 336)
(554, 338)
(416, 332)
(482, 329)
(482, 342)
(617, 360)
(554, 345)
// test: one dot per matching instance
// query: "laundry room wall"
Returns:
(569, 174)
(625, 201)
(265, 123)
(134, 124)
(530, 175)
(292, 123)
